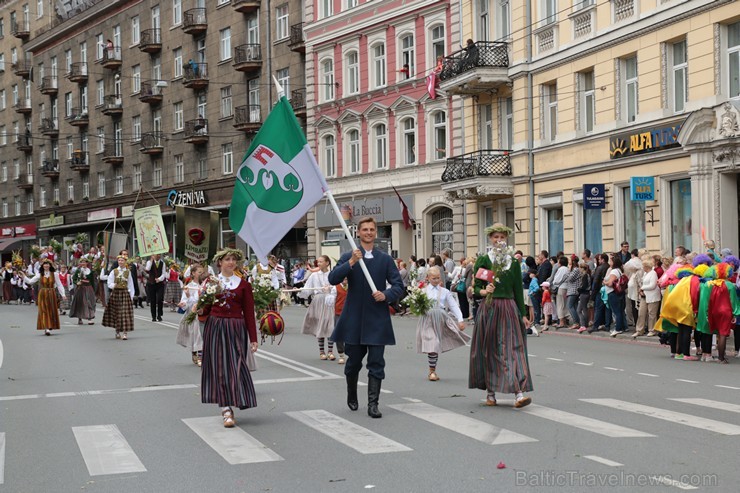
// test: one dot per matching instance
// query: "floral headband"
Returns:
(237, 254)
(498, 228)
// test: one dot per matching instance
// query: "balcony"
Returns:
(22, 68)
(194, 21)
(80, 161)
(195, 75)
(150, 92)
(49, 85)
(113, 153)
(196, 131)
(298, 102)
(248, 118)
(248, 58)
(78, 72)
(297, 40)
(25, 143)
(479, 174)
(111, 58)
(50, 168)
(24, 181)
(23, 106)
(20, 30)
(78, 117)
(246, 6)
(152, 143)
(150, 41)
(112, 105)
(479, 69)
(49, 127)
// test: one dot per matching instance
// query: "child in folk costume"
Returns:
(20, 289)
(336, 298)
(7, 274)
(547, 308)
(319, 319)
(83, 303)
(48, 318)
(440, 329)
(64, 278)
(119, 312)
(188, 334)
(173, 291)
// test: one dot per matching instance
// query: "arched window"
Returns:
(408, 141)
(380, 146)
(439, 135)
(352, 63)
(442, 229)
(327, 80)
(329, 155)
(353, 151)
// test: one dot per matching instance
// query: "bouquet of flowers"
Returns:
(209, 289)
(56, 246)
(81, 238)
(17, 260)
(264, 293)
(501, 256)
(417, 300)
(35, 251)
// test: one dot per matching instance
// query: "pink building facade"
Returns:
(372, 122)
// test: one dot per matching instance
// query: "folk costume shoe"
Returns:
(352, 392)
(373, 394)
(433, 375)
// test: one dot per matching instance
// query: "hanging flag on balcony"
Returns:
(432, 83)
(407, 221)
(276, 184)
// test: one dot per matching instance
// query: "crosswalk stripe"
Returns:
(672, 482)
(235, 445)
(602, 460)
(723, 406)
(671, 416)
(479, 430)
(2, 458)
(347, 433)
(584, 422)
(106, 451)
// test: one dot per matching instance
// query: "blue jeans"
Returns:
(573, 308)
(602, 314)
(616, 303)
(537, 304)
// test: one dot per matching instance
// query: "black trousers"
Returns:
(375, 361)
(155, 298)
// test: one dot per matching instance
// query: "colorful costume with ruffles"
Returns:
(680, 302)
(718, 301)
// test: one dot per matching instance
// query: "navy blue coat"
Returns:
(364, 320)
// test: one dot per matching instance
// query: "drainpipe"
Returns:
(269, 55)
(462, 136)
(530, 130)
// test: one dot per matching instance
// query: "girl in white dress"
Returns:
(188, 334)
(319, 320)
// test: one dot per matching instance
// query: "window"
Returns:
(17, 201)
(99, 46)
(67, 60)
(176, 12)
(70, 189)
(227, 159)
(407, 57)
(156, 67)
(550, 101)
(378, 65)
(70, 147)
(14, 90)
(592, 229)
(177, 57)
(118, 183)
(135, 30)
(327, 75)
(2, 99)
(352, 63)
(380, 148)
(483, 18)
(226, 106)
(439, 134)
(4, 176)
(101, 184)
(100, 89)
(634, 220)
(136, 78)
(408, 141)
(353, 151)
(136, 128)
(281, 22)
(157, 173)
(437, 39)
(29, 203)
(3, 136)
(42, 197)
(16, 132)
(179, 121)
(630, 88)
(733, 52)
(225, 44)
(507, 127)
(681, 212)
(16, 169)
(283, 77)
(83, 99)
(503, 21)
(2, 62)
(137, 177)
(2, 27)
(549, 15)
(329, 155)
(202, 167)
(85, 187)
(679, 76)
(554, 231)
(5, 207)
(352, 3)
(253, 94)
(155, 17)
(326, 8)
(101, 139)
(179, 169)
(588, 102)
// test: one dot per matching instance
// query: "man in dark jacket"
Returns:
(365, 324)
(544, 269)
(602, 313)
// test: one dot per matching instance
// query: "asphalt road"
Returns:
(81, 411)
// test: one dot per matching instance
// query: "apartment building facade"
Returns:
(137, 103)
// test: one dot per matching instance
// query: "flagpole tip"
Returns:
(280, 90)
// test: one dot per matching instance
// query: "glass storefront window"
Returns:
(681, 213)
(555, 230)
(592, 229)
(441, 229)
(634, 221)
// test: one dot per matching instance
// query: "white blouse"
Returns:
(318, 279)
(444, 299)
(57, 282)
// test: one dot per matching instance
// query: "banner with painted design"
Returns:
(151, 236)
(276, 184)
(197, 233)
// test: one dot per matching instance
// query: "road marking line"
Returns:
(673, 482)
(602, 460)
(236, 446)
(727, 387)
(347, 433)
(2, 355)
(687, 381)
(532, 355)
(672, 416)
(298, 363)
(106, 451)
(648, 375)
(554, 359)
(287, 365)
(724, 406)
(583, 364)
(164, 387)
(612, 369)
(411, 399)
(478, 430)
(583, 422)
(382, 391)
(2, 458)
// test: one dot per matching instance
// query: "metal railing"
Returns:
(488, 162)
(194, 17)
(150, 37)
(20, 27)
(149, 88)
(298, 98)
(79, 159)
(112, 54)
(481, 54)
(21, 66)
(113, 150)
(49, 83)
(25, 179)
(195, 71)
(151, 140)
(112, 102)
(49, 125)
(247, 53)
(251, 113)
(23, 104)
(77, 69)
(50, 166)
(76, 114)
(196, 128)
(296, 34)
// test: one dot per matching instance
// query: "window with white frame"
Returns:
(136, 128)
(353, 151)
(587, 101)
(227, 159)
(83, 99)
(14, 92)
(437, 43)
(550, 103)
(5, 207)
(3, 102)
(137, 177)
(135, 30)
(2, 62)
(179, 169)
(378, 66)
(4, 176)
(179, 120)
(67, 60)
(503, 19)
(408, 141)
(549, 11)
(70, 189)
(177, 58)
(176, 12)
(136, 79)
(99, 46)
(85, 187)
(350, 4)
(630, 88)
(157, 173)
(14, 55)
(408, 56)
(380, 145)
(227, 109)
(29, 203)
(101, 139)
(225, 43)
(733, 54)
(483, 19)
(16, 132)
(42, 197)
(282, 30)
(100, 90)
(678, 78)
(101, 184)
(3, 136)
(202, 160)
(39, 8)
(439, 135)
(156, 67)
(328, 144)
(507, 123)
(118, 182)
(70, 147)
(16, 169)
(633, 212)
(283, 77)
(327, 80)
(17, 200)
(352, 64)
(326, 8)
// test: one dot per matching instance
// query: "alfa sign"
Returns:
(642, 188)
(594, 196)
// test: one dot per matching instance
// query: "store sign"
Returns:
(102, 214)
(382, 209)
(644, 141)
(127, 211)
(186, 198)
(594, 196)
(15, 231)
(51, 221)
(642, 188)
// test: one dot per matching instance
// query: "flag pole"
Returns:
(280, 90)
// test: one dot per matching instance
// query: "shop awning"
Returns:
(8, 244)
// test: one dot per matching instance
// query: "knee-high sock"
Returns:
(433, 357)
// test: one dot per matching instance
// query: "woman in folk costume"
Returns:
(173, 290)
(440, 329)
(498, 351)
(48, 318)
(119, 312)
(319, 319)
(64, 278)
(276, 273)
(83, 302)
(229, 341)
(7, 274)
(188, 334)
(718, 308)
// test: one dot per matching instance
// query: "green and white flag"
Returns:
(276, 184)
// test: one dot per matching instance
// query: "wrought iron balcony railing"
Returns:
(488, 162)
(480, 54)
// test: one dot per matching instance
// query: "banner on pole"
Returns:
(150, 233)
(197, 233)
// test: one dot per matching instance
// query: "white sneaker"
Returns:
(613, 333)
(534, 331)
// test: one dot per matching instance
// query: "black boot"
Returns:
(373, 393)
(352, 392)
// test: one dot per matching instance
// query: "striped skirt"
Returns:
(319, 319)
(7, 291)
(48, 317)
(64, 304)
(225, 377)
(83, 303)
(498, 351)
(437, 332)
(172, 292)
(119, 312)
